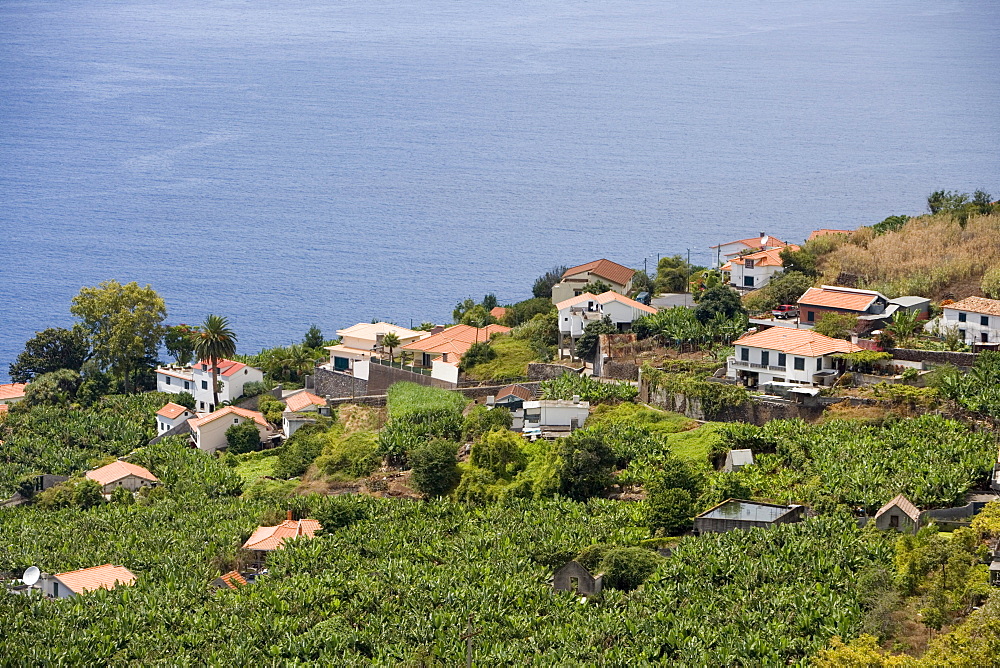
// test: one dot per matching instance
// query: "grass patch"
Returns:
(406, 399)
(658, 421)
(259, 467)
(511, 361)
(696, 444)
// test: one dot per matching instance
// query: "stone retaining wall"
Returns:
(540, 371)
(935, 356)
(335, 384)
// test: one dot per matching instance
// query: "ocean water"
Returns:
(331, 162)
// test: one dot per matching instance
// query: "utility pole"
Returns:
(687, 283)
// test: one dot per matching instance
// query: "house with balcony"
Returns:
(752, 271)
(440, 353)
(575, 279)
(577, 312)
(197, 380)
(726, 252)
(362, 341)
(786, 355)
(977, 319)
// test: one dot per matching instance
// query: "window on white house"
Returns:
(782, 361)
(984, 320)
(961, 334)
(765, 357)
(745, 354)
(168, 380)
(187, 385)
(748, 281)
(204, 384)
(800, 363)
(961, 317)
(819, 364)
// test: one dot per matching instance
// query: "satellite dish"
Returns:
(30, 576)
(764, 239)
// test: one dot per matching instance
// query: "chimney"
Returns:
(289, 515)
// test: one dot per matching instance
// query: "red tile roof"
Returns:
(515, 391)
(977, 305)
(604, 298)
(273, 538)
(230, 410)
(300, 400)
(612, 271)
(835, 297)
(225, 367)
(767, 258)
(172, 410)
(754, 242)
(498, 312)
(12, 391)
(118, 470)
(824, 232)
(96, 577)
(796, 342)
(455, 340)
(233, 579)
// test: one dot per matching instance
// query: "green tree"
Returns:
(542, 288)
(522, 312)
(585, 464)
(87, 493)
(836, 325)
(499, 452)
(462, 308)
(490, 302)
(477, 316)
(390, 341)
(990, 284)
(586, 345)
(890, 224)
(903, 326)
(596, 287)
(787, 287)
(801, 261)
(313, 338)
(434, 467)
(122, 496)
(482, 420)
(185, 399)
(642, 282)
(718, 300)
(668, 510)
(179, 342)
(672, 274)
(215, 341)
(625, 568)
(478, 353)
(50, 350)
(54, 388)
(243, 437)
(123, 324)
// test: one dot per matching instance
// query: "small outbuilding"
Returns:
(230, 580)
(899, 515)
(267, 539)
(737, 459)
(575, 577)
(73, 583)
(741, 514)
(122, 474)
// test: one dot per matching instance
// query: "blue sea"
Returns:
(298, 162)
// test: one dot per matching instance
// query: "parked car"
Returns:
(786, 311)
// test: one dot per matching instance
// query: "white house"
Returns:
(755, 270)
(73, 583)
(554, 413)
(301, 408)
(122, 474)
(197, 380)
(576, 278)
(441, 352)
(577, 312)
(727, 251)
(170, 416)
(977, 319)
(209, 432)
(786, 355)
(361, 341)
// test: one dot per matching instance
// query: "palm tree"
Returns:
(213, 342)
(390, 341)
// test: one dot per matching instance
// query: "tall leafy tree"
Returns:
(50, 350)
(124, 324)
(215, 341)
(543, 284)
(179, 342)
(718, 300)
(390, 341)
(313, 337)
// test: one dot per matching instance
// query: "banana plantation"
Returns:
(408, 583)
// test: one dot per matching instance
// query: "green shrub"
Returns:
(509, 360)
(243, 437)
(499, 452)
(569, 385)
(625, 568)
(186, 471)
(481, 420)
(300, 451)
(435, 468)
(354, 455)
(271, 408)
(585, 463)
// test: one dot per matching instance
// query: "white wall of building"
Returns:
(972, 325)
(771, 367)
(174, 382)
(211, 436)
(760, 275)
(444, 371)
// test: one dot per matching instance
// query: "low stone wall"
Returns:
(335, 384)
(620, 370)
(935, 356)
(541, 371)
(381, 377)
(756, 411)
(377, 400)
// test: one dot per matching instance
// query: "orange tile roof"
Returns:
(903, 504)
(172, 410)
(225, 367)
(12, 391)
(96, 577)
(767, 258)
(455, 340)
(977, 305)
(118, 470)
(498, 312)
(515, 391)
(611, 296)
(835, 297)
(796, 342)
(230, 410)
(233, 579)
(754, 242)
(273, 538)
(612, 271)
(824, 232)
(300, 400)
